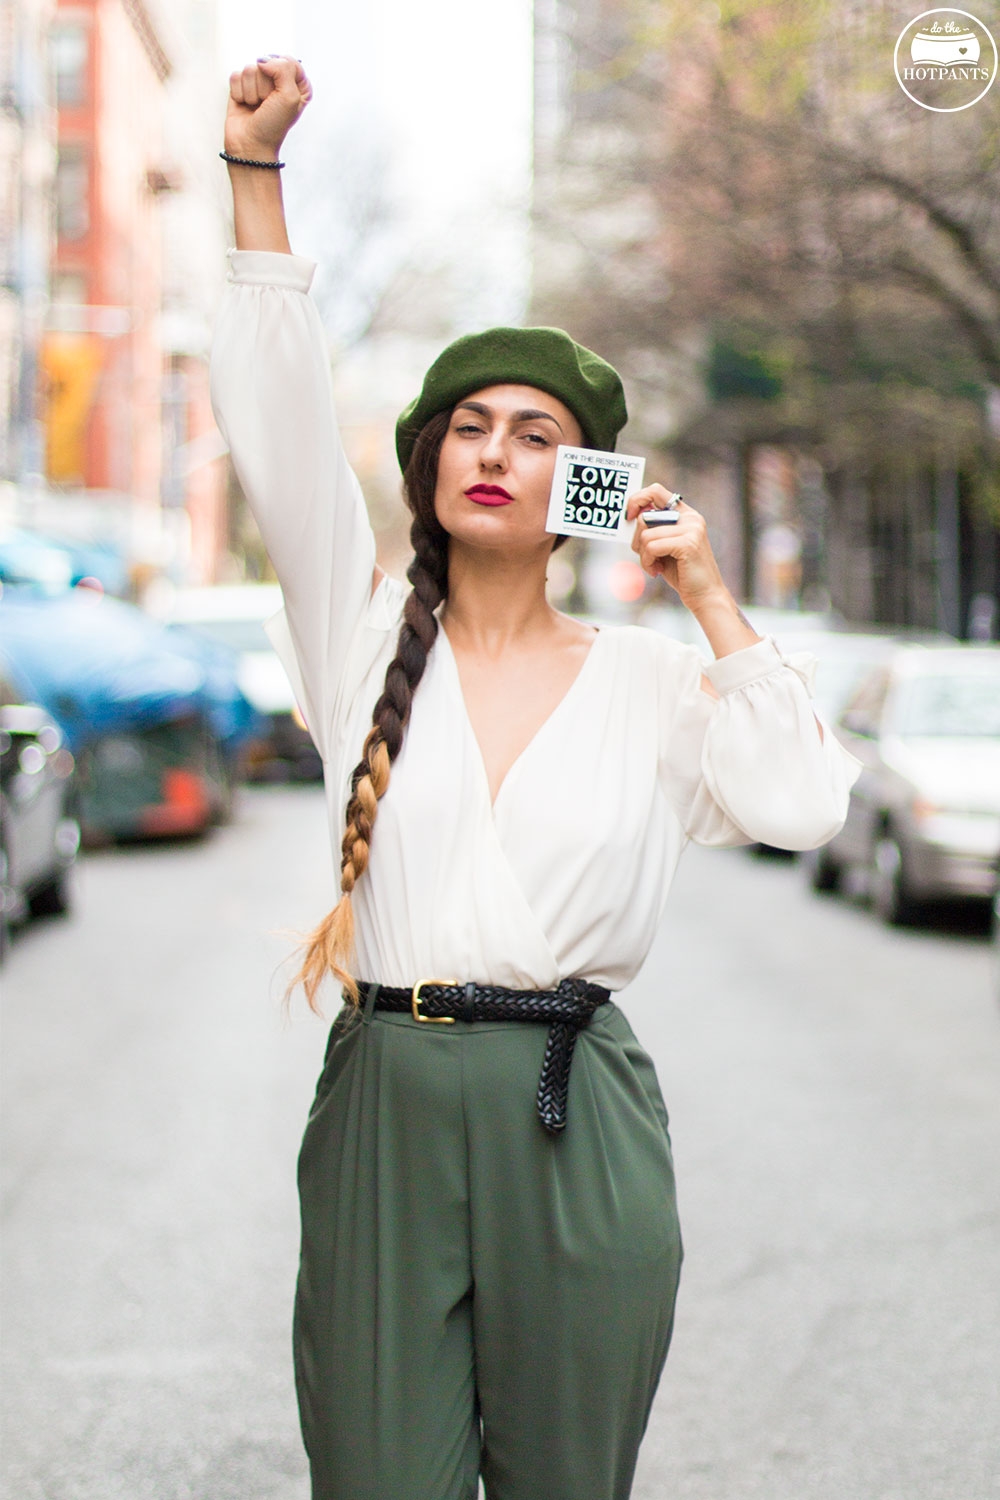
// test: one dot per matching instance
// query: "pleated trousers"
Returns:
(475, 1295)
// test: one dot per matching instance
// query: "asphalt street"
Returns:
(835, 1108)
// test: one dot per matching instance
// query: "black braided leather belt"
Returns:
(566, 1010)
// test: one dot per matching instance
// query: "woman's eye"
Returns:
(538, 439)
(468, 429)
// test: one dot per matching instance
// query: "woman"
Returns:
(490, 1248)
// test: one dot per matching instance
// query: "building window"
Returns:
(70, 51)
(72, 182)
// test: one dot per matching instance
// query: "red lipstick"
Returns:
(488, 494)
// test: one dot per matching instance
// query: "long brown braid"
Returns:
(331, 945)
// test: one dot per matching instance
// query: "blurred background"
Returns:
(795, 264)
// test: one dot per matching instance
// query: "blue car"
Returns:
(155, 723)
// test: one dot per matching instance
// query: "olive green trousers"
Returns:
(475, 1295)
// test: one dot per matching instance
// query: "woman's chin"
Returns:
(493, 528)
(485, 535)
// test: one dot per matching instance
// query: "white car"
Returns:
(924, 816)
(233, 616)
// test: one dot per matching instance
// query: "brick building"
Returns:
(103, 360)
(131, 453)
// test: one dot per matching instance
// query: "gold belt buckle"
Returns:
(415, 1006)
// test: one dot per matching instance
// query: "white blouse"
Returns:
(568, 871)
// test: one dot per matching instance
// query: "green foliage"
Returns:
(810, 250)
(733, 372)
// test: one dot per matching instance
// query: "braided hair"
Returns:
(330, 946)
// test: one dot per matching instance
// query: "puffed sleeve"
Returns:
(751, 766)
(273, 401)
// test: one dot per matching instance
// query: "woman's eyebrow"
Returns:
(529, 414)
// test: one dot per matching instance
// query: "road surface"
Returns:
(833, 1088)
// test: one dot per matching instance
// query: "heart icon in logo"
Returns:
(963, 50)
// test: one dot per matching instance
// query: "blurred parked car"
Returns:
(844, 659)
(51, 565)
(924, 816)
(39, 833)
(154, 727)
(233, 616)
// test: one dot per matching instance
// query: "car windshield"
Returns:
(958, 707)
(238, 635)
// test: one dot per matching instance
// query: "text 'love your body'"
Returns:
(595, 497)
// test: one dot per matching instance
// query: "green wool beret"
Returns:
(546, 358)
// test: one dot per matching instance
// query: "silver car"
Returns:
(39, 832)
(924, 817)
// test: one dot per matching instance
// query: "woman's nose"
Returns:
(493, 454)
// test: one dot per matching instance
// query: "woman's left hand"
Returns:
(682, 554)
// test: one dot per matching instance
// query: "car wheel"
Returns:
(889, 895)
(6, 902)
(54, 898)
(222, 779)
(13, 906)
(824, 871)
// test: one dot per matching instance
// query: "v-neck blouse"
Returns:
(568, 871)
(582, 674)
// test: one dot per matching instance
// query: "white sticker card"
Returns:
(590, 490)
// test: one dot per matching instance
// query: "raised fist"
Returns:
(265, 100)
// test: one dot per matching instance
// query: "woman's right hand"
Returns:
(265, 100)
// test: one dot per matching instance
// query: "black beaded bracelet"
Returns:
(244, 161)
